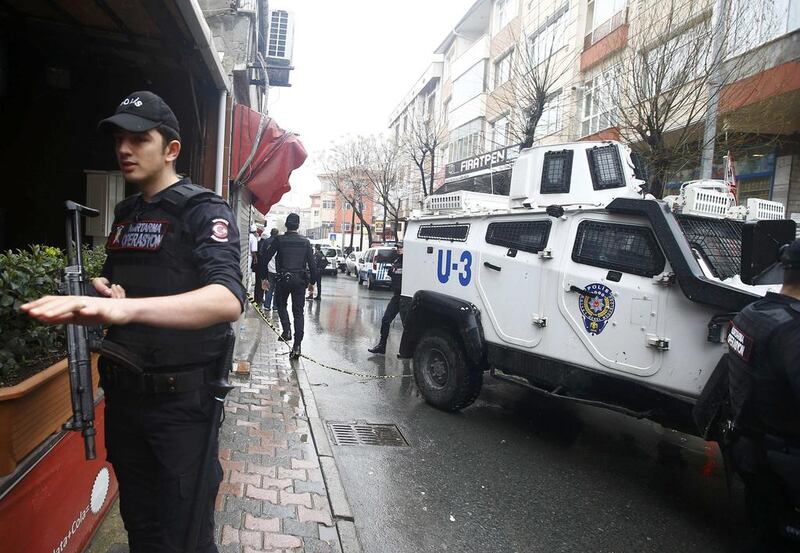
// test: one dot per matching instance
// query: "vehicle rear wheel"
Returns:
(445, 377)
(371, 283)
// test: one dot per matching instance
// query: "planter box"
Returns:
(33, 410)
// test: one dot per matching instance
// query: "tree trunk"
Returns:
(352, 225)
(383, 235)
(433, 171)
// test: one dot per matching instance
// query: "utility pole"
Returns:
(714, 87)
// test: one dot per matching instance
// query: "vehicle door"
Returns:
(608, 294)
(509, 278)
(366, 264)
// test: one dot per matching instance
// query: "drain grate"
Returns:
(364, 433)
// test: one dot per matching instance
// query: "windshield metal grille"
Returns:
(718, 241)
(451, 233)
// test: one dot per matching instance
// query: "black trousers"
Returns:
(297, 293)
(388, 316)
(319, 283)
(258, 291)
(155, 444)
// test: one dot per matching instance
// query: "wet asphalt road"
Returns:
(515, 472)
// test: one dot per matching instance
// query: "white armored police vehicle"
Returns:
(580, 286)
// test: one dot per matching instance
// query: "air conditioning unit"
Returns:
(280, 35)
(758, 210)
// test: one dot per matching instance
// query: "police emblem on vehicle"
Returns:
(596, 305)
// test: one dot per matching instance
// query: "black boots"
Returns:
(295, 353)
(380, 347)
(286, 336)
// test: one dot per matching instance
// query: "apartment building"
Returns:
(334, 219)
(584, 54)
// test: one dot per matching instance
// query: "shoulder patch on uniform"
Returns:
(219, 230)
(740, 343)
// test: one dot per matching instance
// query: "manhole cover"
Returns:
(364, 433)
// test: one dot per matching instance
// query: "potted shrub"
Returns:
(34, 381)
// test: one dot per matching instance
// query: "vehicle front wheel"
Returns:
(445, 377)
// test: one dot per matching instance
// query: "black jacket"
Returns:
(764, 368)
(294, 254)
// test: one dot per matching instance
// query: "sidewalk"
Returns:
(275, 495)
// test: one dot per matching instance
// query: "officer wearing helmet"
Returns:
(764, 385)
(296, 269)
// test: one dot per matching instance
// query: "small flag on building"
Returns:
(730, 175)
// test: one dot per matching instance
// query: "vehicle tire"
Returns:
(445, 377)
(347, 272)
(371, 283)
(335, 273)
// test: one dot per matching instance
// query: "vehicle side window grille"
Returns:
(717, 241)
(451, 233)
(605, 167)
(557, 172)
(526, 236)
(627, 248)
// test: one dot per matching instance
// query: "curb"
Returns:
(340, 506)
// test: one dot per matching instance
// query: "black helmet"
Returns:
(790, 255)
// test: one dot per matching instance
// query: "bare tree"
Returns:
(345, 166)
(421, 141)
(532, 72)
(382, 171)
(658, 94)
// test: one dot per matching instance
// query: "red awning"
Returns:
(264, 155)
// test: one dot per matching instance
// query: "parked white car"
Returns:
(351, 263)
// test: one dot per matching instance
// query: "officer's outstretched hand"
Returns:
(82, 310)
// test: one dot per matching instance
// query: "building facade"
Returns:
(585, 55)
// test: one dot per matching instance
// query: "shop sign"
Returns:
(482, 161)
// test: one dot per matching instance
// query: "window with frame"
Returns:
(328, 204)
(599, 110)
(626, 248)
(556, 172)
(465, 141)
(550, 37)
(552, 119)
(469, 84)
(605, 167)
(605, 16)
(503, 68)
(347, 206)
(499, 133)
(751, 24)
(678, 61)
(526, 236)
(504, 12)
(345, 227)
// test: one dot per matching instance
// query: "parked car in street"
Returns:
(333, 255)
(374, 267)
(352, 263)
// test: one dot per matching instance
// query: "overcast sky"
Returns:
(354, 62)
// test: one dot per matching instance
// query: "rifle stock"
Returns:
(80, 365)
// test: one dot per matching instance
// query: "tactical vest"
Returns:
(761, 399)
(150, 254)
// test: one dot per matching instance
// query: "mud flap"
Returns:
(713, 405)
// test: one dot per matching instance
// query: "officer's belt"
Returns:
(119, 379)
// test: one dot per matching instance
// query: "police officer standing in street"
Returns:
(321, 263)
(295, 265)
(171, 285)
(764, 381)
(396, 274)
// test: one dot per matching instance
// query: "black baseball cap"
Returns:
(139, 112)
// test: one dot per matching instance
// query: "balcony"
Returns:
(608, 38)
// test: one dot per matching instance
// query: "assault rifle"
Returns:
(80, 366)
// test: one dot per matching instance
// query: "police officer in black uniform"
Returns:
(396, 274)
(171, 285)
(764, 382)
(295, 265)
(321, 263)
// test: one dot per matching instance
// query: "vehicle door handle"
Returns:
(492, 267)
(580, 291)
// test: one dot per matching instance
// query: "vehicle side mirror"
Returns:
(761, 244)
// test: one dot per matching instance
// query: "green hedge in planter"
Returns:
(27, 346)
